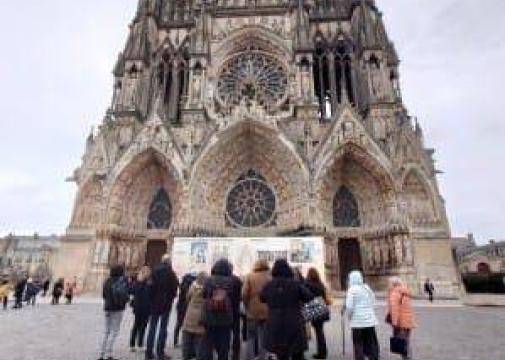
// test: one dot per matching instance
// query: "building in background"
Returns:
(261, 119)
(33, 256)
(482, 259)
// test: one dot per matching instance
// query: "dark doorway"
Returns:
(349, 258)
(155, 250)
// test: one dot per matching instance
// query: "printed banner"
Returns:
(199, 254)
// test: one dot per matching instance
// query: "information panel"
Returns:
(199, 254)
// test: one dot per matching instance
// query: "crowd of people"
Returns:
(273, 311)
(26, 290)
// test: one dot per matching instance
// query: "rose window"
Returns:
(252, 76)
(250, 202)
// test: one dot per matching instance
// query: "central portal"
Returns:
(349, 256)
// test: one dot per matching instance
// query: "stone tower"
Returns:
(260, 118)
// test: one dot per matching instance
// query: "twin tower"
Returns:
(263, 118)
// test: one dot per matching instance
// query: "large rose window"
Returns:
(252, 76)
(250, 202)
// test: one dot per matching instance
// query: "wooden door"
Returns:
(349, 256)
(155, 250)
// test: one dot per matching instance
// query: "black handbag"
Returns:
(316, 311)
(398, 346)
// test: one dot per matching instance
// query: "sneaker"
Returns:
(164, 357)
(132, 349)
(149, 356)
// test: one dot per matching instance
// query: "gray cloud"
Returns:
(56, 83)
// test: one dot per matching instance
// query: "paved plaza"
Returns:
(73, 332)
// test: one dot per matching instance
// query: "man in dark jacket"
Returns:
(236, 343)
(163, 291)
(219, 322)
(18, 293)
(115, 295)
(182, 304)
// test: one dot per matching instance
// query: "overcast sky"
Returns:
(55, 74)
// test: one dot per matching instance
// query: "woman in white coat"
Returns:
(359, 305)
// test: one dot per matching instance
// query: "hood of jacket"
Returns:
(355, 278)
(222, 267)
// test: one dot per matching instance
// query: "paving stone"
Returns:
(74, 332)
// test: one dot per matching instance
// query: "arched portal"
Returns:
(249, 178)
(145, 194)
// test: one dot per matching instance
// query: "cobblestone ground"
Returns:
(73, 332)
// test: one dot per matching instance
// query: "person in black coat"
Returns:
(164, 285)
(218, 326)
(317, 288)
(18, 293)
(182, 304)
(285, 326)
(115, 296)
(45, 287)
(141, 305)
(236, 341)
(57, 291)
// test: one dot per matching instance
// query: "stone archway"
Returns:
(355, 196)
(144, 199)
(244, 147)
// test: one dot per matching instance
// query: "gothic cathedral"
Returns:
(260, 118)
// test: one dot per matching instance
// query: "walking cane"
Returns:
(342, 322)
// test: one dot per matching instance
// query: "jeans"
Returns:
(192, 346)
(217, 339)
(405, 335)
(365, 343)
(112, 325)
(255, 345)
(322, 350)
(162, 319)
(139, 330)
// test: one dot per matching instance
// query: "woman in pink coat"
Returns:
(401, 312)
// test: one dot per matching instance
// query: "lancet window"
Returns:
(333, 77)
(173, 79)
(160, 211)
(345, 209)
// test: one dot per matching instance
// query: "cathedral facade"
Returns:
(260, 118)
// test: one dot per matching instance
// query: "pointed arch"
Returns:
(419, 195)
(160, 211)
(138, 191)
(345, 209)
(232, 153)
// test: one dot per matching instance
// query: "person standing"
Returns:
(359, 305)
(164, 287)
(69, 292)
(429, 289)
(182, 304)
(317, 288)
(57, 291)
(401, 314)
(45, 287)
(141, 304)
(285, 326)
(4, 293)
(31, 292)
(220, 294)
(256, 311)
(192, 329)
(115, 295)
(18, 293)
(236, 338)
